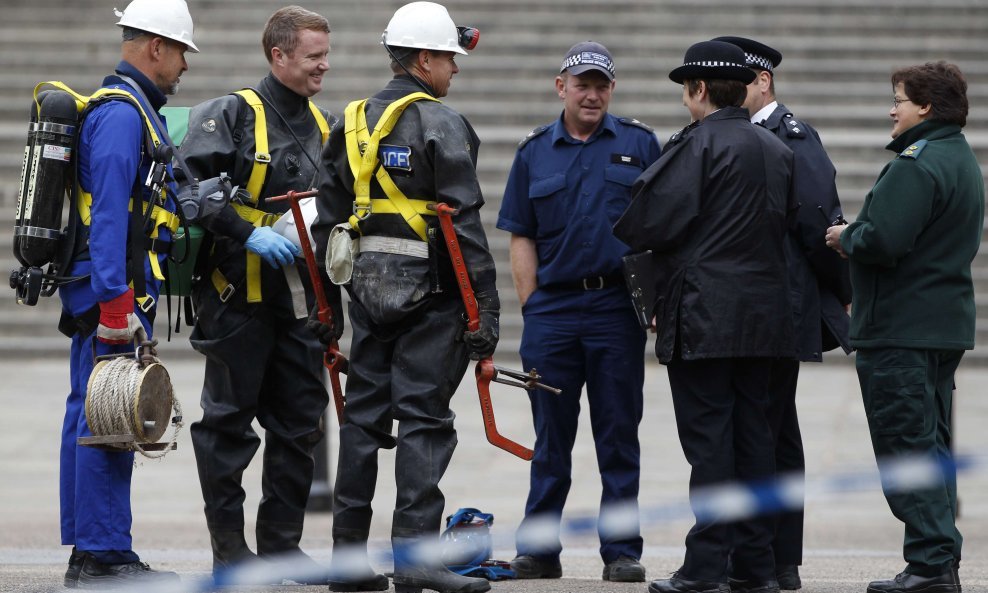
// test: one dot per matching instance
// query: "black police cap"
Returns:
(757, 55)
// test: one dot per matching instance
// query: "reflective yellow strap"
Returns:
(357, 137)
(258, 218)
(385, 206)
(261, 156)
(320, 121)
(219, 281)
(160, 216)
(355, 131)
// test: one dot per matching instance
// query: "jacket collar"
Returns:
(774, 120)
(729, 113)
(153, 93)
(402, 85)
(559, 132)
(285, 99)
(929, 129)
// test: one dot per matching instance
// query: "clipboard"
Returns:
(639, 276)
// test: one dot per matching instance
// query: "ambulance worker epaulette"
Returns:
(794, 129)
(630, 121)
(533, 134)
(912, 151)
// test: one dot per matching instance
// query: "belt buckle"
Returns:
(599, 280)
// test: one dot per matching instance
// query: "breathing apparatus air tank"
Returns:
(45, 180)
(46, 174)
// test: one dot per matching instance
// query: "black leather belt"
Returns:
(591, 283)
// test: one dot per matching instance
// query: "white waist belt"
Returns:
(412, 247)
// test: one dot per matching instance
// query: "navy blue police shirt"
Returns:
(566, 194)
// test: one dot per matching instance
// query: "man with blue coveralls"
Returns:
(569, 183)
(105, 303)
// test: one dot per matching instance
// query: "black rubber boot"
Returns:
(350, 569)
(277, 542)
(229, 551)
(414, 579)
(414, 572)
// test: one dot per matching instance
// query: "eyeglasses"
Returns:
(896, 101)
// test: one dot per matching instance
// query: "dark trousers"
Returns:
(269, 367)
(604, 351)
(788, 542)
(907, 398)
(407, 373)
(722, 416)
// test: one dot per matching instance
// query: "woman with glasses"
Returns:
(913, 315)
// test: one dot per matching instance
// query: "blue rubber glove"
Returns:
(272, 247)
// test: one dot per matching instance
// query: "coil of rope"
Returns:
(133, 395)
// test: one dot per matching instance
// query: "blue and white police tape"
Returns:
(727, 502)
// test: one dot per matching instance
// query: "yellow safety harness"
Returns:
(255, 183)
(160, 216)
(361, 149)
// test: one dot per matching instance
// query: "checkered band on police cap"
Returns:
(757, 61)
(588, 55)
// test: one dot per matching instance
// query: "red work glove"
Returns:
(117, 322)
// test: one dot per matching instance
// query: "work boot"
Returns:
(532, 567)
(99, 576)
(230, 552)
(76, 559)
(624, 570)
(410, 579)
(277, 542)
(350, 569)
(770, 586)
(416, 569)
(678, 584)
(788, 577)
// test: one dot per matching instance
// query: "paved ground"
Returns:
(851, 537)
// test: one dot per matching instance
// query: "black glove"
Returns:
(481, 343)
(327, 333)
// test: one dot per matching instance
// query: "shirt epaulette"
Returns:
(534, 133)
(912, 151)
(630, 121)
(794, 129)
(678, 136)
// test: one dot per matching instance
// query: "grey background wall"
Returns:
(835, 74)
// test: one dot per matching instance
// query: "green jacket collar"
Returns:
(929, 130)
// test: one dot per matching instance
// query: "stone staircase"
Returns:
(838, 57)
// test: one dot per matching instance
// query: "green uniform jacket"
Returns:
(913, 242)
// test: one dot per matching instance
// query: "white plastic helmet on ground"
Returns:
(422, 25)
(165, 18)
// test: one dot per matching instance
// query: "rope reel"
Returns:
(129, 403)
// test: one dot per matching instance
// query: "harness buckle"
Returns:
(147, 304)
(361, 212)
(227, 293)
(262, 157)
(588, 283)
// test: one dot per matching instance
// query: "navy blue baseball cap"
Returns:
(586, 56)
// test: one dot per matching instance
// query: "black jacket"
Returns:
(713, 210)
(442, 159)
(211, 147)
(819, 283)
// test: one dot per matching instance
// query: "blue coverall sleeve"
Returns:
(517, 215)
(113, 133)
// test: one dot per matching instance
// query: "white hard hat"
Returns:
(165, 18)
(422, 25)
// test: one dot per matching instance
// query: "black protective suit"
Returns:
(407, 355)
(261, 361)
